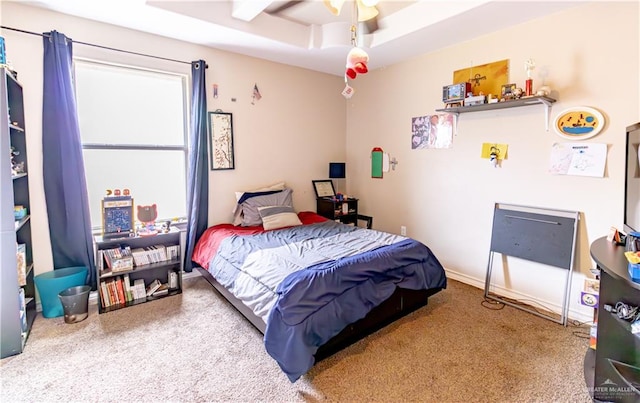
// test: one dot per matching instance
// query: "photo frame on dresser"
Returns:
(323, 188)
(221, 140)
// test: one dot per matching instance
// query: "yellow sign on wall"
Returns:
(499, 150)
(486, 78)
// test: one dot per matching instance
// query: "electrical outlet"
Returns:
(403, 230)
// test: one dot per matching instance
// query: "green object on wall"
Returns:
(376, 162)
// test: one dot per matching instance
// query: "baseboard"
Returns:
(551, 306)
(452, 274)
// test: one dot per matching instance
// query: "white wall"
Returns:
(445, 197)
(291, 134)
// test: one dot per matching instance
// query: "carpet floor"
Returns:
(195, 347)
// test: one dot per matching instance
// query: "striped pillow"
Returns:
(274, 217)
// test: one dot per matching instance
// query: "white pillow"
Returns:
(274, 217)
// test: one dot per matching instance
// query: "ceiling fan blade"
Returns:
(365, 13)
(285, 6)
(334, 6)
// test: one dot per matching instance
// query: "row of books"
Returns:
(155, 254)
(118, 291)
(123, 258)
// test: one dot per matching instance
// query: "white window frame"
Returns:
(184, 148)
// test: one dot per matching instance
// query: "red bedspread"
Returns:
(207, 245)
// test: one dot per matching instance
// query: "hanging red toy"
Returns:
(357, 60)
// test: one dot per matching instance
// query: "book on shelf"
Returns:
(120, 288)
(153, 287)
(104, 295)
(162, 290)
(127, 288)
(139, 290)
(173, 252)
(113, 293)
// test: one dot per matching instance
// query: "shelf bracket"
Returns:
(456, 115)
(547, 112)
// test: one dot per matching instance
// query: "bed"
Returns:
(315, 286)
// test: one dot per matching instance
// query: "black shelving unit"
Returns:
(148, 272)
(617, 357)
(18, 307)
(345, 211)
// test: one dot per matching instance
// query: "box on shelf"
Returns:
(634, 272)
(19, 212)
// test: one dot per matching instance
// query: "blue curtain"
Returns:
(198, 174)
(63, 166)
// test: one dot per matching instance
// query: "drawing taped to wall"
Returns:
(432, 131)
(578, 159)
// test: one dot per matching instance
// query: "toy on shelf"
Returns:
(147, 216)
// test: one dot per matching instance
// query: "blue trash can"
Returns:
(51, 283)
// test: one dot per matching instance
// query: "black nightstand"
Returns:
(345, 211)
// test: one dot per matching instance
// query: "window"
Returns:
(133, 127)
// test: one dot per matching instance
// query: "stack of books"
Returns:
(117, 259)
(157, 289)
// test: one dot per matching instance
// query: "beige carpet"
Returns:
(195, 347)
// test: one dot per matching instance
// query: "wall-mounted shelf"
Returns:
(535, 100)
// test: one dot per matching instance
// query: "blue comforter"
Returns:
(309, 282)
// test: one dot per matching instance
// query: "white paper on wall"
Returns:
(578, 159)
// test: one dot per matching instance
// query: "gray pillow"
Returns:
(251, 215)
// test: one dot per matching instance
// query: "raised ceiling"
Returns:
(306, 34)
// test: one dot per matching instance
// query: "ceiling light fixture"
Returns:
(357, 58)
(366, 8)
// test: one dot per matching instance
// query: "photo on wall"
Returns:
(432, 131)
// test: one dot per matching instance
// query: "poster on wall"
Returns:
(486, 78)
(578, 159)
(432, 131)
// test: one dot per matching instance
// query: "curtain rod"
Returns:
(98, 46)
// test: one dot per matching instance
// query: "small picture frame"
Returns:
(324, 188)
(221, 140)
(507, 91)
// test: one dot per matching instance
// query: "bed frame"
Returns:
(401, 303)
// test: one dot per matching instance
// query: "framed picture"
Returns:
(324, 188)
(117, 216)
(507, 91)
(578, 123)
(221, 140)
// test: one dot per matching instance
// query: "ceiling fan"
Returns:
(366, 10)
